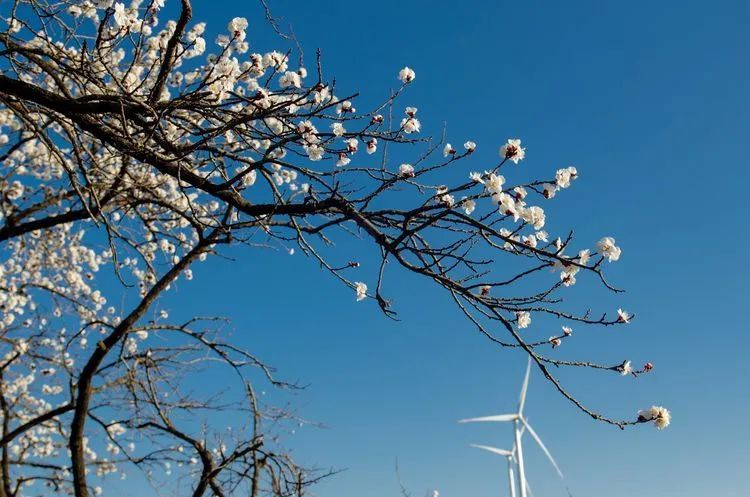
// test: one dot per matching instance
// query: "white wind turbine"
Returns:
(511, 458)
(509, 455)
(520, 422)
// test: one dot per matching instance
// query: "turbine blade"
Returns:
(498, 417)
(494, 450)
(524, 388)
(543, 447)
(528, 488)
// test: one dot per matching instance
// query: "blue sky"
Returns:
(649, 100)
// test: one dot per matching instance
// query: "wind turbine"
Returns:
(509, 455)
(519, 422)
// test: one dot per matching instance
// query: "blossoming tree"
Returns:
(127, 152)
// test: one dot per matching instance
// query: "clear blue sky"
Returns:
(649, 100)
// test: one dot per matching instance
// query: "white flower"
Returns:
(512, 150)
(343, 159)
(469, 206)
(523, 318)
(556, 342)
(568, 274)
(352, 145)
(529, 241)
(344, 107)
(659, 415)
(290, 79)
(494, 183)
(14, 25)
(237, 27)
(14, 191)
(583, 256)
(372, 146)
(406, 75)
(338, 129)
(448, 150)
(470, 146)
(567, 331)
(623, 316)
(608, 248)
(116, 430)
(507, 205)
(549, 190)
(444, 197)
(476, 177)
(308, 132)
(198, 29)
(625, 368)
(406, 170)
(411, 125)
(535, 216)
(361, 290)
(564, 176)
(520, 192)
(315, 152)
(448, 200)
(124, 17)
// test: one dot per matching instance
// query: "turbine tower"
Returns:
(520, 423)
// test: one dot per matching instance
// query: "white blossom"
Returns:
(476, 177)
(361, 289)
(494, 183)
(623, 316)
(406, 75)
(549, 190)
(343, 160)
(608, 248)
(315, 152)
(583, 256)
(563, 177)
(468, 205)
(290, 79)
(535, 216)
(125, 17)
(237, 27)
(523, 319)
(512, 150)
(338, 129)
(660, 416)
(406, 170)
(626, 368)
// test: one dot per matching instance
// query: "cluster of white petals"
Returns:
(660, 416)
